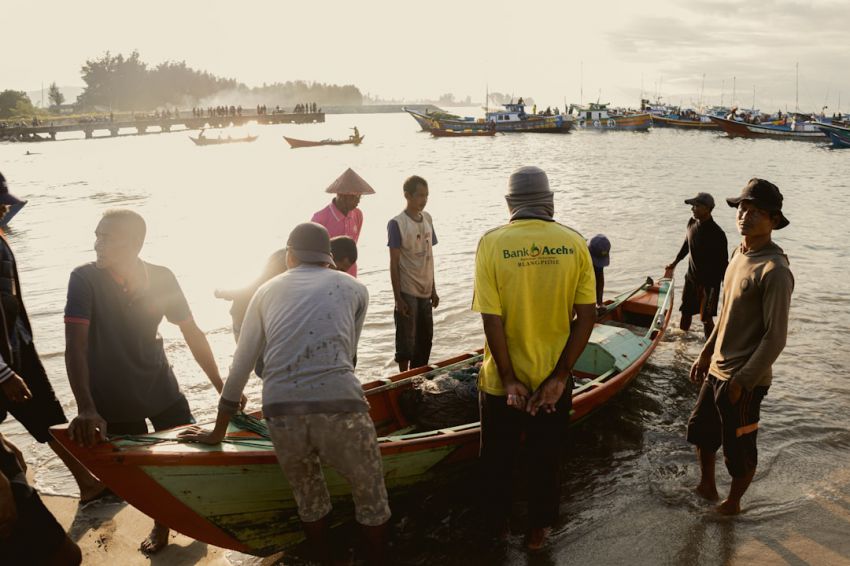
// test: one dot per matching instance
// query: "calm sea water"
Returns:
(215, 213)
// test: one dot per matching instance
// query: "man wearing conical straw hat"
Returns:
(342, 217)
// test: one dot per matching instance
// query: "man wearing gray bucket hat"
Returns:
(705, 243)
(735, 365)
(530, 276)
(306, 324)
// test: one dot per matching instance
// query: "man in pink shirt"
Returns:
(342, 217)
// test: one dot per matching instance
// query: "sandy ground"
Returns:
(109, 532)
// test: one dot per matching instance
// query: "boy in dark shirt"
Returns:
(705, 241)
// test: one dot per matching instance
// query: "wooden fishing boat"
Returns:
(672, 121)
(201, 140)
(295, 143)
(595, 116)
(510, 118)
(470, 132)
(800, 131)
(839, 135)
(235, 496)
(426, 119)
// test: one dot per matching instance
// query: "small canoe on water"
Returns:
(218, 141)
(235, 496)
(296, 143)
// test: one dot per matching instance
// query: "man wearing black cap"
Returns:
(706, 243)
(25, 390)
(306, 324)
(734, 366)
(530, 276)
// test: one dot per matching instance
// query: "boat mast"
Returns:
(581, 86)
(797, 89)
(753, 109)
(722, 88)
(733, 91)
(701, 91)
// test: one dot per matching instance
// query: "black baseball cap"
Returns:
(764, 195)
(5, 196)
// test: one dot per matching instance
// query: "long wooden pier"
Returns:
(145, 125)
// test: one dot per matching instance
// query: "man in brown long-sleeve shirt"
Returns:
(734, 366)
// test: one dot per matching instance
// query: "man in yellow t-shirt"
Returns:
(530, 276)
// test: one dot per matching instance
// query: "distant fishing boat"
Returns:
(477, 130)
(296, 143)
(234, 495)
(839, 135)
(793, 130)
(595, 116)
(203, 140)
(511, 118)
(13, 210)
(699, 122)
(426, 119)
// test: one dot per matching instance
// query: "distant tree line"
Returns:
(15, 104)
(118, 83)
(127, 83)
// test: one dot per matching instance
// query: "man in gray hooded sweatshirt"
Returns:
(734, 366)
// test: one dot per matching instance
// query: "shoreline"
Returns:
(109, 532)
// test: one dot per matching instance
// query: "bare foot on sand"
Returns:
(156, 541)
(707, 492)
(727, 507)
(536, 539)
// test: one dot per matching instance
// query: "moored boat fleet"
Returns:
(514, 117)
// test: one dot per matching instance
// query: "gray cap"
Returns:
(528, 180)
(310, 243)
(702, 198)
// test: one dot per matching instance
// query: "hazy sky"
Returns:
(416, 50)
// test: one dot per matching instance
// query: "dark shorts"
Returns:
(415, 332)
(178, 414)
(36, 535)
(43, 410)
(699, 299)
(716, 422)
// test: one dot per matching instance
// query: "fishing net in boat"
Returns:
(442, 401)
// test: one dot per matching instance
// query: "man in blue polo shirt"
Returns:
(114, 355)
